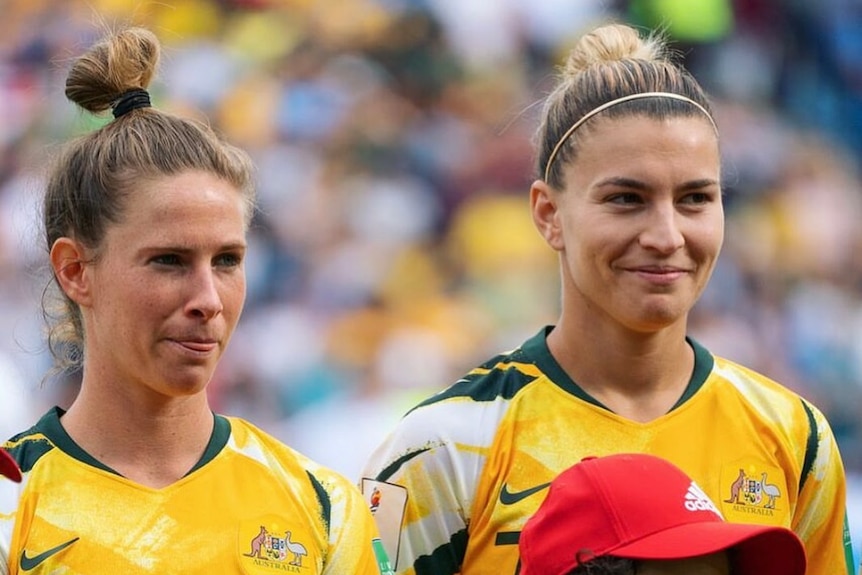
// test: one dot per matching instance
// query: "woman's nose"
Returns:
(205, 300)
(662, 230)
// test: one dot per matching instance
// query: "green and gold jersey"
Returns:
(452, 486)
(251, 506)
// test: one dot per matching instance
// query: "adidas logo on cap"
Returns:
(697, 500)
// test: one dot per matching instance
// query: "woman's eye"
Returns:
(698, 198)
(625, 199)
(228, 260)
(166, 259)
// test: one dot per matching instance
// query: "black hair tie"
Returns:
(131, 100)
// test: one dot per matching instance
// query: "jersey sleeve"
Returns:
(821, 520)
(421, 483)
(354, 541)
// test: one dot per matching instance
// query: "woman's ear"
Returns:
(543, 205)
(67, 260)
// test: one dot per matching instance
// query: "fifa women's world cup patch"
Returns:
(387, 502)
(754, 492)
(272, 544)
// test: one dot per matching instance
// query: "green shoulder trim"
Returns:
(499, 377)
(811, 446)
(324, 501)
(29, 446)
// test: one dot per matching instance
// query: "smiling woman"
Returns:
(628, 195)
(637, 243)
(146, 221)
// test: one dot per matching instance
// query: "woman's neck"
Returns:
(153, 444)
(638, 376)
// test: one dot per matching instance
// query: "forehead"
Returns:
(178, 197)
(644, 128)
(629, 140)
(187, 202)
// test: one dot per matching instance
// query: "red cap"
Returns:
(8, 467)
(639, 506)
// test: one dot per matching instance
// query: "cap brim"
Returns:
(8, 467)
(759, 549)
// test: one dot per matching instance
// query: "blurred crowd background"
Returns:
(394, 249)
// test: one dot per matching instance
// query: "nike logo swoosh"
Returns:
(28, 563)
(509, 498)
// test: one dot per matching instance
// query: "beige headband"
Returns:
(607, 105)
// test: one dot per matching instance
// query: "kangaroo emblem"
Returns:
(257, 543)
(736, 487)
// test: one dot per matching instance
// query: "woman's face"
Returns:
(715, 564)
(168, 287)
(640, 223)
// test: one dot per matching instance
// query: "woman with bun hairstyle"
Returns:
(629, 195)
(145, 222)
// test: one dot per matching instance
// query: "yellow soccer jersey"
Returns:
(251, 506)
(454, 483)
